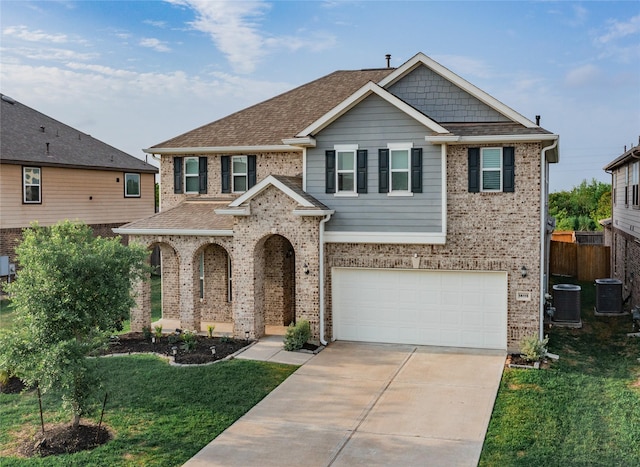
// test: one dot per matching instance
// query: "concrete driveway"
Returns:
(369, 404)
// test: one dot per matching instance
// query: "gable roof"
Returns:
(281, 117)
(31, 137)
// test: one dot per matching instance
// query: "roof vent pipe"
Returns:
(538, 120)
(47, 148)
(388, 57)
(42, 129)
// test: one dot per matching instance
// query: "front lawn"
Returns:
(583, 410)
(159, 415)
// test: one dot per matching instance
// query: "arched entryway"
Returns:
(212, 288)
(274, 281)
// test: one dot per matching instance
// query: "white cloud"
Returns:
(155, 44)
(46, 54)
(584, 75)
(619, 29)
(465, 66)
(157, 24)
(22, 32)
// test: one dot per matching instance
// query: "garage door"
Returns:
(459, 309)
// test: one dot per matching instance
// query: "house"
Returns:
(50, 172)
(622, 231)
(400, 205)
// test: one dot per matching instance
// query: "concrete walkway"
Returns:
(366, 404)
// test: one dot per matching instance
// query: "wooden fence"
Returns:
(584, 262)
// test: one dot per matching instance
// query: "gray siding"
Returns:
(441, 100)
(372, 125)
(625, 217)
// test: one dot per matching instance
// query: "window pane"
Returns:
(399, 181)
(240, 165)
(191, 165)
(345, 181)
(345, 161)
(32, 193)
(491, 180)
(132, 184)
(191, 184)
(400, 159)
(240, 183)
(491, 159)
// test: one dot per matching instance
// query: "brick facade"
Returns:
(625, 258)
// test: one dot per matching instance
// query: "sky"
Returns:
(136, 73)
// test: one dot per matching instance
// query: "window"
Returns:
(400, 169)
(491, 169)
(190, 175)
(132, 185)
(239, 168)
(346, 171)
(201, 275)
(615, 191)
(238, 173)
(635, 168)
(626, 186)
(31, 185)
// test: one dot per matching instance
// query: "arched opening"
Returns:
(212, 289)
(275, 282)
(165, 290)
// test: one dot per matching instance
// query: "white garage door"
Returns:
(459, 309)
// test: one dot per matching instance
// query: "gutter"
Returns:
(543, 229)
(223, 149)
(323, 341)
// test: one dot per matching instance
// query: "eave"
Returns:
(223, 149)
(189, 232)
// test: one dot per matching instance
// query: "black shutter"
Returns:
(383, 171)
(251, 171)
(226, 173)
(330, 171)
(508, 169)
(177, 174)
(361, 170)
(416, 170)
(474, 170)
(202, 175)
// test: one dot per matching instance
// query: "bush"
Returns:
(297, 335)
(189, 341)
(533, 349)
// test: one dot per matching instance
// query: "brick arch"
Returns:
(274, 280)
(211, 285)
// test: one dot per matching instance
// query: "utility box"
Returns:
(566, 300)
(608, 296)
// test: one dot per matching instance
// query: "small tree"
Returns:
(71, 292)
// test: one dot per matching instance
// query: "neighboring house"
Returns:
(387, 205)
(623, 229)
(50, 172)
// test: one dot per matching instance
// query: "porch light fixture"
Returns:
(174, 350)
(246, 336)
(523, 271)
(305, 268)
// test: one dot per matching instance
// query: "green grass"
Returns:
(160, 415)
(6, 313)
(583, 410)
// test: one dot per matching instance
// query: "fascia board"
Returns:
(411, 238)
(313, 212)
(190, 232)
(490, 139)
(306, 142)
(270, 180)
(462, 83)
(240, 211)
(223, 149)
(359, 96)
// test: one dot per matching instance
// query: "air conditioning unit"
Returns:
(608, 296)
(566, 300)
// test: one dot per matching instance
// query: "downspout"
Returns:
(321, 279)
(543, 229)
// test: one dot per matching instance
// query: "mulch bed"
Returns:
(64, 439)
(135, 342)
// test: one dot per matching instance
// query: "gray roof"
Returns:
(191, 214)
(631, 154)
(493, 129)
(30, 137)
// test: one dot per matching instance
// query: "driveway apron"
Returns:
(369, 404)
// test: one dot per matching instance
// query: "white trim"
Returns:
(189, 232)
(223, 149)
(239, 211)
(304, 169)
(400, 193)
(399, 146)
(359, 96)
(346, 147)
(422, 59)
(313, 212)
(346, 194)
(435, 238)
(266, 182)
(452, 139)
(305, 142)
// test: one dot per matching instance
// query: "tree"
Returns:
(71, 292)
(582, 207)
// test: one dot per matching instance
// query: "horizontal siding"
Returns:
(625, 218)
(66, 193)
(372, 125)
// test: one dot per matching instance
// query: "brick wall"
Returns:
(625, 256)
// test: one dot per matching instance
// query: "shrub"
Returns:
(297, 335)
(189, 341)
(210, 329)
(533, 349)
(158, 331)
(146, 333)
